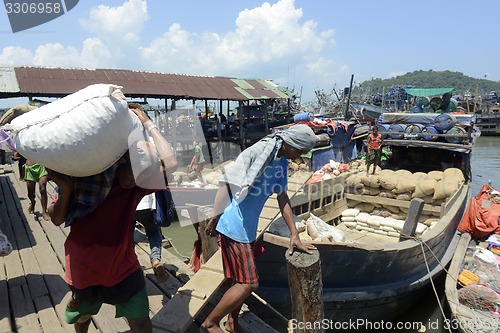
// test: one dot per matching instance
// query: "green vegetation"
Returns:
(432, 79)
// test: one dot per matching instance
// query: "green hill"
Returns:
(433, 79)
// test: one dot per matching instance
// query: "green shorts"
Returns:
(34, 172)
(135, 307)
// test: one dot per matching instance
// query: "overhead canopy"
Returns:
(427, 92)
(59, 82)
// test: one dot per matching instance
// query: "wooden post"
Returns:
(410, 226)
(208, 244)
(306, 290)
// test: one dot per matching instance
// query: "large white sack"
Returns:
(79, 135)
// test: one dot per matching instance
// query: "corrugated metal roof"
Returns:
(59, 82)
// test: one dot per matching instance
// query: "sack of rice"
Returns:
(423, 188)
(429, 221)
(364, 207)
(435, 174)
(419, 176)
(392, 209)
(393, 223)
(398, 216)
(445, 188)
(404, 184)
(354, 180)
(362, 217)
(374, 221)
(386, 194)
(367, 190)
(421, 228)
(348, 219)
(423, 217)
(79, 135)
(428, 199)
(388, 182)
(350, 225)
(404, 196)
(403, 173)
(350, 212)
(454, 173)
(371, 180)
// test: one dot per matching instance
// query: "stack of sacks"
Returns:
(329, 171)
(355, 219)
(434, 188)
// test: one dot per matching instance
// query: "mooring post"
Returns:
(208, 244)
(306, 292)
(410, 226)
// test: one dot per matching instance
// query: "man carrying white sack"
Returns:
(101, 264)
(258, 172)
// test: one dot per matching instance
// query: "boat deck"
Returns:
(31, 277)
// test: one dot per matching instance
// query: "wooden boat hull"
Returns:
(462, 318)
(371, 279)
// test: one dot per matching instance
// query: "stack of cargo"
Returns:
(434, 188)
(426, 126)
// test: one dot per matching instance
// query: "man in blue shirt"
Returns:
(257, 173)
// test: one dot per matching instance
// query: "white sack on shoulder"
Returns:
(79, 135)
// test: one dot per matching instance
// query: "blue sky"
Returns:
(301, 44)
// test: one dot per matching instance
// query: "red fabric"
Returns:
(374, 141)
(99, 249)
(239, 261)
(329, 123)
(479, 221)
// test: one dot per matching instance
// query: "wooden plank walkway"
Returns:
(31, 277)
(197, 292)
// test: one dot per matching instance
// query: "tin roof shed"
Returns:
(59, 82)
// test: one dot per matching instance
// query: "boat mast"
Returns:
(348, 98)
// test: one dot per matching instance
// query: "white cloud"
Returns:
(95, 54)
(56, 54)
(118, 24)
(15, 56)
(269, 42)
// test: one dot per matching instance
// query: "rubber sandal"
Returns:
(161, 274)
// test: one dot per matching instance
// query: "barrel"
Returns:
(436, 103)
(383, 129)
(303, 116)
(445, 121)
(422, 101)
(416, 109)
(427, 132)
(452, 105)
(396, 131)
(414, 128)
(456, 139)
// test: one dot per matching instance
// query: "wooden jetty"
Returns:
(191, 299)
(32, 283)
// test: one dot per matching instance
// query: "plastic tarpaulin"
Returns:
(427, 92)
(481, 217)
